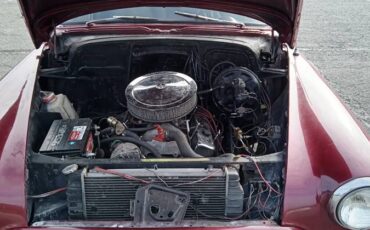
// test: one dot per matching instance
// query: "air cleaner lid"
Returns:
(161, 96)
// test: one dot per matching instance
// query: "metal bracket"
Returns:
(155, 203)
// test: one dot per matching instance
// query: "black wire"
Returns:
(270, 141)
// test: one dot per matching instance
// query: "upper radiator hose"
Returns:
(182, 142)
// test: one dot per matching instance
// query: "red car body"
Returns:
(326, 147)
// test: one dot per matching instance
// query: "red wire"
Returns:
(205, 114)
(129, 177)
(261, 175)
(123, 175)
(214, 132)
(197, 181)
(210, 116)
(43, 195)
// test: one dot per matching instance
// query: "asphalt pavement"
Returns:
(334, 35)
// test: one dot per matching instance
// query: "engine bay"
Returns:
(158, 132)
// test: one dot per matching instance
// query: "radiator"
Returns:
(101, 196)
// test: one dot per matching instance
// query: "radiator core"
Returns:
(103, 196)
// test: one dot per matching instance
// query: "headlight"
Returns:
(350, 204)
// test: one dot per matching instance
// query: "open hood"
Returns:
(43, 15)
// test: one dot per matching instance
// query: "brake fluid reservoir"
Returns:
(59, 104)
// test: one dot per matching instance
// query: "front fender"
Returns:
(16, 91)
(326, 147)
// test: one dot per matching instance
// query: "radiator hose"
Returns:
(177, 135)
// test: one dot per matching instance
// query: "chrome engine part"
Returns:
(161, 96)
(94, 195)
(202, 140)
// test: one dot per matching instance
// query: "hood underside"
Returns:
(43, 15)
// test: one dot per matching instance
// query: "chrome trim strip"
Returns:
(83, 174)
(226, 188)
(129, 224)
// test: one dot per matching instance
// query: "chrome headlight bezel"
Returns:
(343, 192)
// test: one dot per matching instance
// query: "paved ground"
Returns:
(334, 36)
(15, 42)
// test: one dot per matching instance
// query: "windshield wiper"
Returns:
(121, 19)
(205, 18)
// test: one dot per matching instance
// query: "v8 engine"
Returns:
(193, 137)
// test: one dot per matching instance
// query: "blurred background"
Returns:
(334, 36)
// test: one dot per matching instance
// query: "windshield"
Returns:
(167, 14)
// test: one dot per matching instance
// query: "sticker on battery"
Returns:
(77, 133)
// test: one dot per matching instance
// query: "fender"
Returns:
(326, 148)
(16, 90)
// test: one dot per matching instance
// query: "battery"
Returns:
(68, 138)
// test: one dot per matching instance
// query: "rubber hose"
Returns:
(136, 141)
(182, 142)
(107, 131)
(129, 133)
(142, 129)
